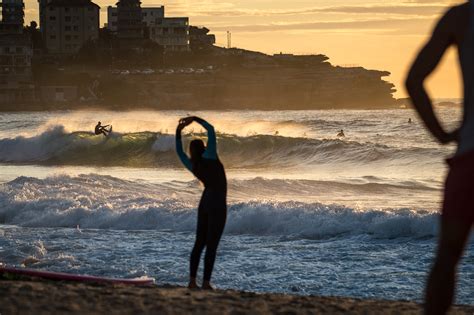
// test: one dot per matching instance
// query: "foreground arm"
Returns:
(425, 63)
(211, 149)
(179, 149)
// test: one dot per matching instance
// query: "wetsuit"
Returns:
(212, 211)
(100, 130)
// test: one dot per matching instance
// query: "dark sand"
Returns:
(43, 297)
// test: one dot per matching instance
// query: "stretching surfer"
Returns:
(212, 212)
(99, 129)
(456, 28)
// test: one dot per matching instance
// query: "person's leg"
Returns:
(215, 229)
(441, 283)
(201, 234)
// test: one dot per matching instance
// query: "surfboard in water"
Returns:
(62, 276)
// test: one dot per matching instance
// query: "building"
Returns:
(129, 20)
(149, 15)
(12, 14)
(170, 32)
(16, 79)
(67, 24)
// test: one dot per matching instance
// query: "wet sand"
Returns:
(44, 297)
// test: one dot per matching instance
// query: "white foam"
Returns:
(103, 202)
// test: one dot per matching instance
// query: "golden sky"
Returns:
(382, 34)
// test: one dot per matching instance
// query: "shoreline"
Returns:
(41, 297)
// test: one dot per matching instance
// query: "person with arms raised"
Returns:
(212, 211)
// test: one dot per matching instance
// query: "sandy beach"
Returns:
(43, 297)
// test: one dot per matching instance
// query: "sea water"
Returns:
(309, 213)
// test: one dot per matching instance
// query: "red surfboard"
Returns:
(62, 276)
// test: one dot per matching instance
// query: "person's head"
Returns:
(196, 149)
(99, 123)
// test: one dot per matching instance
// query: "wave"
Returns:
(151, 149)
(104, 202)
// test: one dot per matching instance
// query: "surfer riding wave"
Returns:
(99, 129)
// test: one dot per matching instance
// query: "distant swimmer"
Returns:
(341, 133)
(409, 120)
(99, 129)
(204, 163)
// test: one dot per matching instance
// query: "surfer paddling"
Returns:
(456, 28)
(212, 211)
(100, 129)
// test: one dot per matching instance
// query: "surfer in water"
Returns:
(341, 133)
(99, 129)
(212, 211)
(456, 28)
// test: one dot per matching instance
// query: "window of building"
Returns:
(19, 50)
(67, 28)
(67, 18)
(114, 14)
(76, 36)
(67, 9)
(52, 37)
(67, 37)
(76, 28)
(90, 9)
(52, 18)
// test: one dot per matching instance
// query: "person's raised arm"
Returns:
(425, 63)
(211, 149)
(179, 148)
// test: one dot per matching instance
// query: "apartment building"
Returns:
(12, 16)
(67, 24)
(16, 80)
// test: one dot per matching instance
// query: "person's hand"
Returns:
(449, 137)
(186, 121)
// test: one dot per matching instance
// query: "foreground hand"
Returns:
(449, 137)
(186, 121)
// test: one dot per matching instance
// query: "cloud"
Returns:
(389, 25)
(400, 9)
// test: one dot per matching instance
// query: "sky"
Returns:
(383, 35)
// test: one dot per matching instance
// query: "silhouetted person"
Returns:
(341, 133)
(99, 129)
(212, 212)
(409, 120)
(456, 28)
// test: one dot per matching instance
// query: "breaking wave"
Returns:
(152, 149)
(104, 202)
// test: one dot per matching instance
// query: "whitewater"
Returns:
(309, 213)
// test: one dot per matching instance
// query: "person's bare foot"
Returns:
(206, 285)
(192, 284)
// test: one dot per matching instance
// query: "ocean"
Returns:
(309, 213)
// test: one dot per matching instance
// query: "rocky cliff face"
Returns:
(248, 80)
